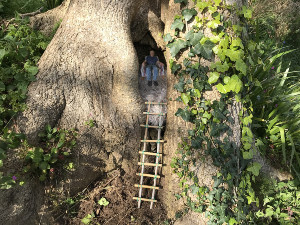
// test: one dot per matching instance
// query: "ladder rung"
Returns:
(150, 113)
(148, 126)
(149, 164)
(147, 175)
(150, 153)
(145, 199)
(155, 141)
(156, 103)
(146, 186)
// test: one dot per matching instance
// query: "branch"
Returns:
(32, 13)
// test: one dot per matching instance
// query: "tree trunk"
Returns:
(88, 71)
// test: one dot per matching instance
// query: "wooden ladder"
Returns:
(145, 153)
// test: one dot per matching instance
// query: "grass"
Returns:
(10, 7)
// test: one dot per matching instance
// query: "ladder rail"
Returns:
(156, 161)
(143, 158)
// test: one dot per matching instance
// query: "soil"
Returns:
(118, 190)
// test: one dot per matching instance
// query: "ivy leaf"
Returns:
(234, 55)
(176, 46)
(217, 2)
(221, 88)
(205, 50)
(241, 66)
(254, 168)
(174, 66)
(247, 12)
(269, 212)
(232, 221)
(236, 42)
(193, 37)
(195, 189)
(213, 24)
(181, 1)
(220, 67)
(168, 38)
(226, 79)
(235, 84)
(202, 5)
(2, 53)
(177, 24)
(248, 155)
(185, 98)
(213, 77)
(180, 85)
(32, 70)
(188, 14)
(2, 86)
(184, 114)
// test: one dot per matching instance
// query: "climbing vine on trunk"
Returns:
(231, 199)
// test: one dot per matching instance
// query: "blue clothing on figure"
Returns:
(151, 65)
(151, 60)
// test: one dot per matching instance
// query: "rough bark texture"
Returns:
(89, 71)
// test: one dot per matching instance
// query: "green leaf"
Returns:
(247, 12)
(205, 50)
(248, 155)
(234, 55)
(1, 163)
(184, 114)
(217, 2)
(213, 77)
(188, 14)
(254, 168)
(177, 24)
(181, 1)
(43, 165)
(32, 70)
(282, 135)
(174, 66)
(185, 98)
(2, 53)
(103, 202)
(213, 24)
(241, 66)
(168, 37)
(220, 67)
(2, 86)
(232, 221)
(194, 38)
(235, 84)
(226, 79)
(176, 46)
(202, 5)
(269, 212)
(221, 88)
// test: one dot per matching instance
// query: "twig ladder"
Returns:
(144, 154)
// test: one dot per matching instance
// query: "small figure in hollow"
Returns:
(151, 62)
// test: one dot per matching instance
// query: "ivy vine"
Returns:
(231, 199)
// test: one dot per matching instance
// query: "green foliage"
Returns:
(8, 8)
(88, 218)
(103, 202)
(238, 76)
(280, 202)
(275, 94)
(53, 3)
(20, 50)
(56, 148)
